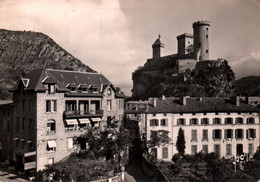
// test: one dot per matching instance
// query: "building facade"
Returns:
(224, 126)
(52, 107)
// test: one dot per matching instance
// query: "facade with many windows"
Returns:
(51, 108)
(224, 126)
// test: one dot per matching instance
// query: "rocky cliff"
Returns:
(213, 78)
(23, 51)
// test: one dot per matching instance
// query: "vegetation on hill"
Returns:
(23, 51)
(214, 80)
(248, 86)
(208, 167)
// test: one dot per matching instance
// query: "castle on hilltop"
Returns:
(190, 46)
(188, 65)
(192, 49)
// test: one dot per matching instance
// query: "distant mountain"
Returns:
(23, 51)
(248, 86)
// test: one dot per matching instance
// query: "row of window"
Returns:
(228, 134)
(155, 122)
(204, 121)
(24, 106)
(73, 88)
(217, 149)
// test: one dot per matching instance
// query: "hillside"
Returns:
(23, 51)
(213, 78)
(248, 86)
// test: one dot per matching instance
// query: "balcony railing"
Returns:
(70, 114)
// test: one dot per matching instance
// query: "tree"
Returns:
(180, 143)
(157, 138)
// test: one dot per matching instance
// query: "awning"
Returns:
(22, 139)
(96, 119)
(84, 121)
(29, 141)
(16, 138)
(71, 121)
(51, 143)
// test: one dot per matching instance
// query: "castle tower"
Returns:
(185, 43)
(201, 40)
(157, 48)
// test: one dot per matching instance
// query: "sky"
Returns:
(114, 37)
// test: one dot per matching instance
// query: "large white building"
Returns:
(223, 126)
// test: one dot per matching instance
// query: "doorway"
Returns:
(239, 149)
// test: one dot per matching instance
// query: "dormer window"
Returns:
(83, 88)
(72, 87)
(94, 89)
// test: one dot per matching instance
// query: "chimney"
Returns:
(163, 97)
(200, 99)
(235, 100)
(152, 101)
(248, 100)
(183, 100)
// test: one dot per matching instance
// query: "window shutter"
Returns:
(225, 133)
(151, 122)
(166, 122)
(213, 134)
(220, 133)
(247, 136)
(231, 133)
(254, 135)
(157, 122)
(236, 133)
(242, 132)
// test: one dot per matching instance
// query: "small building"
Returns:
(51, 108)
(224, 126)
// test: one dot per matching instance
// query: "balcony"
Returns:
(79, 114)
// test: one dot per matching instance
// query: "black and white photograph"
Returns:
(130, 90)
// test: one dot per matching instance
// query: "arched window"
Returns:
(51, 126)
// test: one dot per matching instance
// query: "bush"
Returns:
(175, 157)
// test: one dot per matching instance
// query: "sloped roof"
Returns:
(62, 78)
(195, 105)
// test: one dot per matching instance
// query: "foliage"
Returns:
(208, 167)
(218, 80)
(180, 143)
(257, 154)
(79, 169)
(158, 138)
(215, 80)
(111, 143)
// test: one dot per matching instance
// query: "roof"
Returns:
(158, 43)
(196, 105)
(184, 35)
(63, 79)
